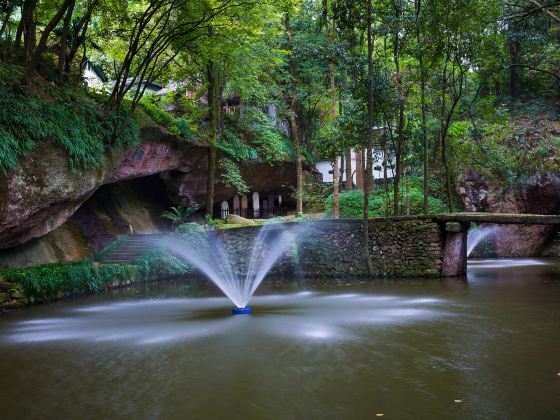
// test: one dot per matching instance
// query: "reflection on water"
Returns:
(346, 349)
(506, 263)
(151, 321)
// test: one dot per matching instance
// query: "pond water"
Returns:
(483, 346)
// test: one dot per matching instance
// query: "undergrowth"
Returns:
(51, 281)
(68, 117)
(45, 282)
(178, 126)
(159, 262)
(352, 203)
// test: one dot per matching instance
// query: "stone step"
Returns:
(132, 248)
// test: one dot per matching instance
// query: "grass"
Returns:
(51, 281)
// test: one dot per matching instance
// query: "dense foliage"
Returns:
(352, 203)
(50, 281)
(438, 88)
(69, 118)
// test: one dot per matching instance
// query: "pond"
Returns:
(483, 346)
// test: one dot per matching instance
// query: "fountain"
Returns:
(210, 255)
(476, 236)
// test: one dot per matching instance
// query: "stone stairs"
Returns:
(132, 247)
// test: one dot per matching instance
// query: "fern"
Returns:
(75, 124)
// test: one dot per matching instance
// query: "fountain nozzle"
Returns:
(242, 311)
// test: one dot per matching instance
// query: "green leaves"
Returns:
(72, 121)
(49, 281)
(179, 214)
(178, 126)
(231, 177)
(380, 204)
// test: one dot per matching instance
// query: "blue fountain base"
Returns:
(242, 311)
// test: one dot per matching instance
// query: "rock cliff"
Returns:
(43, 193)
(537, 195)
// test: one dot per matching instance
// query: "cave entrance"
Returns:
(132, 206)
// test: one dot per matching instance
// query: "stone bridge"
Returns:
(405, 246)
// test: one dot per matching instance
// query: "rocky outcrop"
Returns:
(43, 193)
(536, 195)
(189, 185)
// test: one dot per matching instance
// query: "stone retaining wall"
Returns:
(399, 247)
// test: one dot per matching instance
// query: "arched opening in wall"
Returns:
(256, 205)
(132, 206)
(224, 209)
(236, 206)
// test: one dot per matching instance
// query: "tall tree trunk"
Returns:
(443, 135)
(514, 47)
(7, 17)
(359, 169)
(348, 160)
(332, 88)
(336, 170)
(28, 29)
(367, 184)
(400, 137)
(385, 162)
(418, 7)
(294, 129)
(342, 171)
(294, 133)
(213, 102)
(407, 198)
(398, 162)
(447, 177)
(63, 53)
(41, 47)
(424, 135)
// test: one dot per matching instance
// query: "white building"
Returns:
(326, 167)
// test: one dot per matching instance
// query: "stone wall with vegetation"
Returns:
(48, 282)
(405, 247)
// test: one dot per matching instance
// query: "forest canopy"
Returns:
(437, 88)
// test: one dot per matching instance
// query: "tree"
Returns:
(369, 147)
(292, 117)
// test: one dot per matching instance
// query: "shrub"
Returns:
(73, 123)
(352, 203)
(179, 214)
(233, 146)
(48, 281)
(191, 228)
(159, 262)
(231, 176)
(178, 126)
